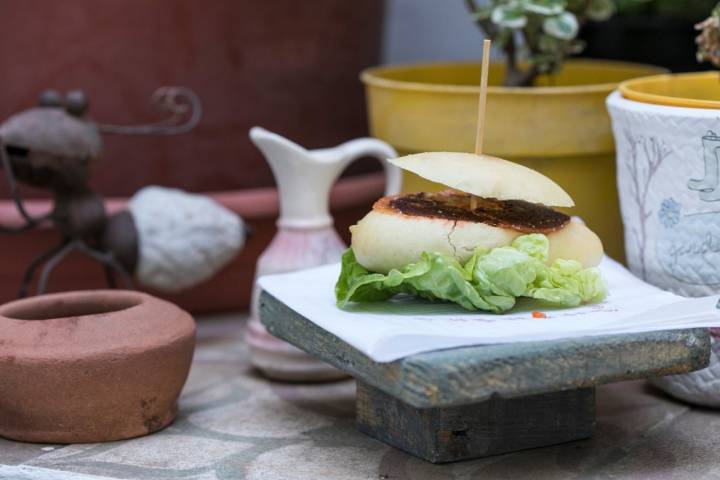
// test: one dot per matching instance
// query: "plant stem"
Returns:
(521, 78)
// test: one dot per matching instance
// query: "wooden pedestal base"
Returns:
(471, 402)
(481, 429)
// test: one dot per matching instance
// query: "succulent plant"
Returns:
(708, 40)
(543, 33)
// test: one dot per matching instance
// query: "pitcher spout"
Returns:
(305, 177)
(277, 149)
(303, 182)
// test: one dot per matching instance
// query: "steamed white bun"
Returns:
(486, 176)
(384, 240)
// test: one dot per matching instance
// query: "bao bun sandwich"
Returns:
(490, 238)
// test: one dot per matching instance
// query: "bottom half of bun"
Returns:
(382, 241)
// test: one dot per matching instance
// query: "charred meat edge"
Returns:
(454, 206)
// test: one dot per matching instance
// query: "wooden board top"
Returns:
(472, 374)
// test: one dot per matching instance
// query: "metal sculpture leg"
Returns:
(57, 254)
(109, 261)
(36, 262)
(110, 276)
(53, 262)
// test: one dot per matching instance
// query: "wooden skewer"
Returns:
(481, 108)
(483, 98)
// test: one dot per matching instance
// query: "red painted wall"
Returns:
(290, 66)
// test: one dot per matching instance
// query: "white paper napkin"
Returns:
(386, 331)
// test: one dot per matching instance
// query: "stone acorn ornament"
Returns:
(167, 239)
(181, 239)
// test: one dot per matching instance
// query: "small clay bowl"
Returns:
(91, 366)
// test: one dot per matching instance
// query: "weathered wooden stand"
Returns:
(473, 402)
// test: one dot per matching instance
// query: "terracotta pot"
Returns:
(91, 366)
(230, 289)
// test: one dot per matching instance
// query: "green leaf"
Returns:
(564, 26)
(534, 244)
(508, 16)
(545, 7)
(549, 45)
(358, 283)
(491, 280)
(566, 283)
(601, 10)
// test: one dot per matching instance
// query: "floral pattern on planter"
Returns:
(646, 154)
(668, 184)
(695, 262)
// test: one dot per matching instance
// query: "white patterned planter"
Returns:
(669, 185)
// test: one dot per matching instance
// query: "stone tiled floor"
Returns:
(235, 425)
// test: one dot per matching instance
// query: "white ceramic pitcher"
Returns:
(306, 236)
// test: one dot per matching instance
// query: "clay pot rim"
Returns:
(89, 335)
(127, 299)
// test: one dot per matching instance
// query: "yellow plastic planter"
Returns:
(560, 128)
(690, 90)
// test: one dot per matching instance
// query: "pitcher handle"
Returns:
(372, 147)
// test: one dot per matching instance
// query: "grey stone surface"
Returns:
(640, 433)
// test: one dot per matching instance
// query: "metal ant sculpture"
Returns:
(56, 148)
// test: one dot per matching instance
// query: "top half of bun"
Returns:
(486, 176)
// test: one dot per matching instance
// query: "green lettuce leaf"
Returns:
(491, 280)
